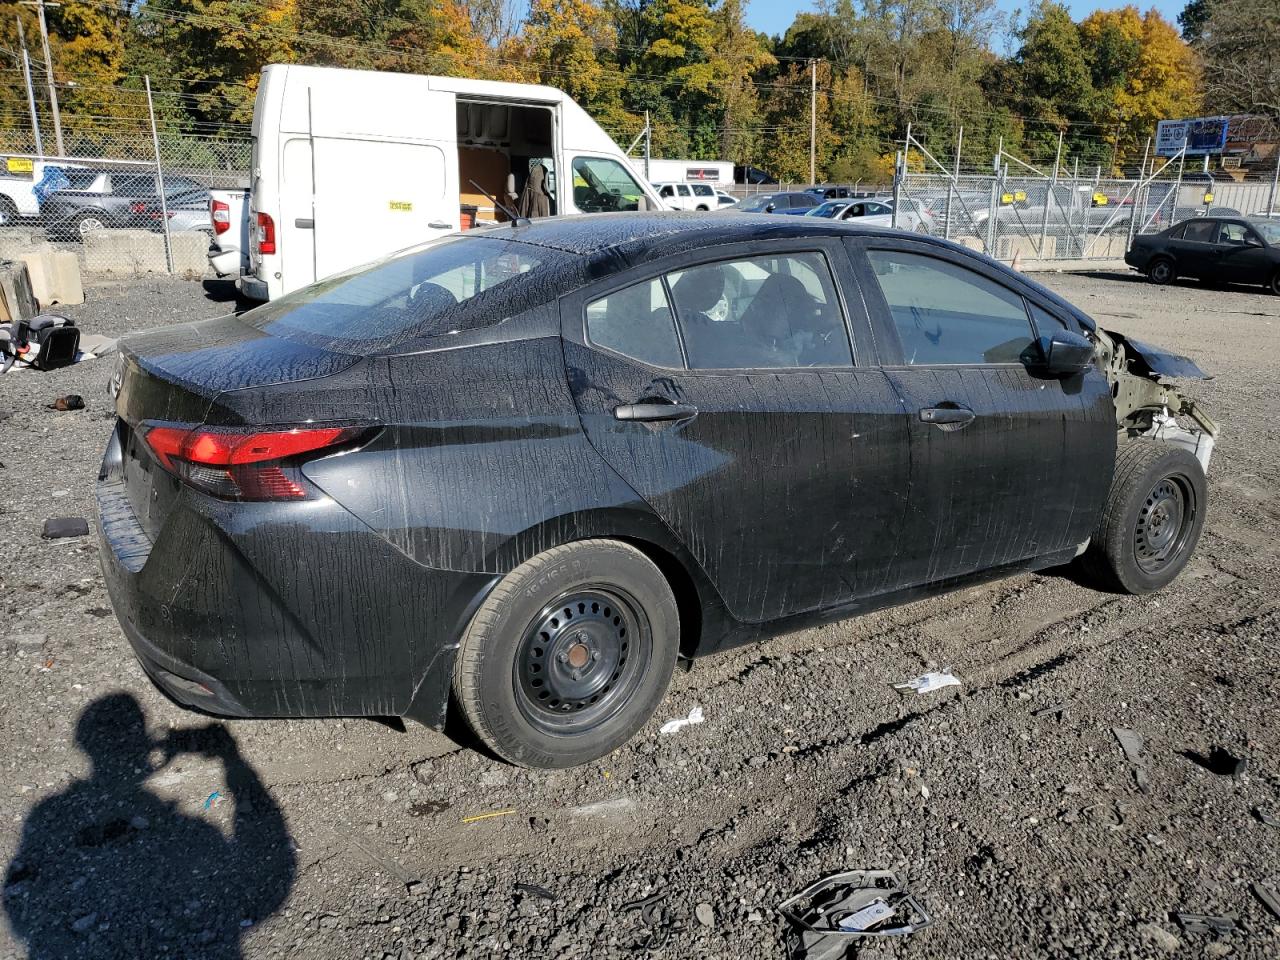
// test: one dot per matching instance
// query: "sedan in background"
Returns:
(828, 210)
(878, 212)
(514, 474)
(1217, 250)
(796, 203)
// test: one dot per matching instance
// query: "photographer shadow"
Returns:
(107, 868)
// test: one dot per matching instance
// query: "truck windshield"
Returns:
(455, 284)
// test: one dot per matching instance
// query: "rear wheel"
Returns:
(1275, 283)
(1160, 271)
(87, 223)
(8, 212)
(1152, 520)
(569, 655)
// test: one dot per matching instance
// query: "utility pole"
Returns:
(31, 94)
(813, 121)
(48, 66)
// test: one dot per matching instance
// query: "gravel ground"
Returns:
(133, 828)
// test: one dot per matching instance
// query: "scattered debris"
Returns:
(605, 808)
(1218, 761)
(211, 799)
(929, 682)
(72, 401)
(1268, 891)
(56, 528)
(672, 726)
(1131, 743)
(857, 903)
(1058, 708)
(1204, 923)
(536, 890)
(424, 808)
(705, 914)
(1266, 816)
(487, 816)
(651, 916)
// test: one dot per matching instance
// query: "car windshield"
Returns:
(756, 204)
(447, 286)
(1270, 230)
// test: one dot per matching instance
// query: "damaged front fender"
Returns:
(1146, 406)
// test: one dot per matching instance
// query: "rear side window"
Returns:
(1236, 233)
(703, 190)
(449, 285)
(945, 313)
(637, 323)
(762, 312)
(1200, 231)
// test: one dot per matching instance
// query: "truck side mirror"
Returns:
(511, 186)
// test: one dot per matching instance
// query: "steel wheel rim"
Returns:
(581, 659)
(1164, 524)
(1160, 272)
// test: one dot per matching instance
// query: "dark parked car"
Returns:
(797, 203)
(1224, 250)
(523, 470)
(70, 214)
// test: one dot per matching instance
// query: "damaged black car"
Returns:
(518, 474)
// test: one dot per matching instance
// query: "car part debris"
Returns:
(1204, 923)
(673, 726)
(487, 816)
(1268, 891)
(1266, 816)
(56, 528)
(72, 401)
(828, 915)
(650, 909)
(1218, 761)
(1131, 743)
(536, 890)
(929, 682)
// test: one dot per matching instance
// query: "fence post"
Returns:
(993, 206)
(899, 166)
(164, 202)
(1275, 185)
(951, 187)
(1050, 195)
(1142, 191)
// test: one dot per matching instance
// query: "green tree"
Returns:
(1241, 54)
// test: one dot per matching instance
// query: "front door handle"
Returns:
(953, 416)
(440, 225)
(654, 411)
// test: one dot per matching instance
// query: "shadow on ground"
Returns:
(107, 868)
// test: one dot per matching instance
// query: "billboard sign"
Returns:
(1201, 136)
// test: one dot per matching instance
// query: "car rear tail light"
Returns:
(137, 207)
(244, 464)
(266, 234)
(220, 212)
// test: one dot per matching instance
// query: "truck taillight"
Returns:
(244, 464)
(266, 234)
(220, 213)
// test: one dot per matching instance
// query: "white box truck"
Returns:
(349, 165)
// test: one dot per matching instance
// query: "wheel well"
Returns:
(688, 602)
(7, 204)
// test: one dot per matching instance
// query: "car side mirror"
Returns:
(1065, 354)
(769, 208)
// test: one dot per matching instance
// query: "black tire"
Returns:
(1152, 519)
(569, 655)
(1160, 271)
(703, 208)
(1275, 283)
(8, 212)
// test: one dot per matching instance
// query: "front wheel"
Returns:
(1275, 283)
(569, 655)
(1152, 518)
(1161, 271)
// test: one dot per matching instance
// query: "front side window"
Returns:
(1236, 234)
(945, 313)
(761, 312)
(667, 191)
(601, 185)
(1200, 231)
(636, 322)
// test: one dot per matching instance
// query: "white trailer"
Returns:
(349, 165)
(714, 172)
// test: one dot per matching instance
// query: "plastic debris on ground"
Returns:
(1204, 923)
(673, 726)
(830, 916)
(929, 682)
(1266, 817)
(1268, 891)
(1131, 743)
(56, 528)
(72, 401)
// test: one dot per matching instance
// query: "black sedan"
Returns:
(517, 473)
(1216, 249)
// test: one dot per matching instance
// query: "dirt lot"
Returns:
(131, 828)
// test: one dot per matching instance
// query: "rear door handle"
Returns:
(959, 416)
(440, 225)
(655, 411)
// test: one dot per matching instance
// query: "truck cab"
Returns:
(349, 165)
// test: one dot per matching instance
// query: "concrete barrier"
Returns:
(134, 252)
(55, 275)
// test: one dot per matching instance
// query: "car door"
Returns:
(1006, 465)
(1243, 255)
(1196, 251)
(725, 392)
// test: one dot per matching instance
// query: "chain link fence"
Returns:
(103, 200)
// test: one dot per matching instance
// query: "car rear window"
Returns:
(450, 285)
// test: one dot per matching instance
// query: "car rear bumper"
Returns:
(281, 610)
(253, 288)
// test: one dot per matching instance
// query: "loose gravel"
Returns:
(133, 828)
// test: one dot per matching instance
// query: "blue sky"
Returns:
(774, 18)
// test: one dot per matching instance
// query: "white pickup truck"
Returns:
(229, 249)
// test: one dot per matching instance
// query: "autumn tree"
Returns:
(1241, 49)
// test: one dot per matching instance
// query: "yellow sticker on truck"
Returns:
(19, 165)
(401, 206)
